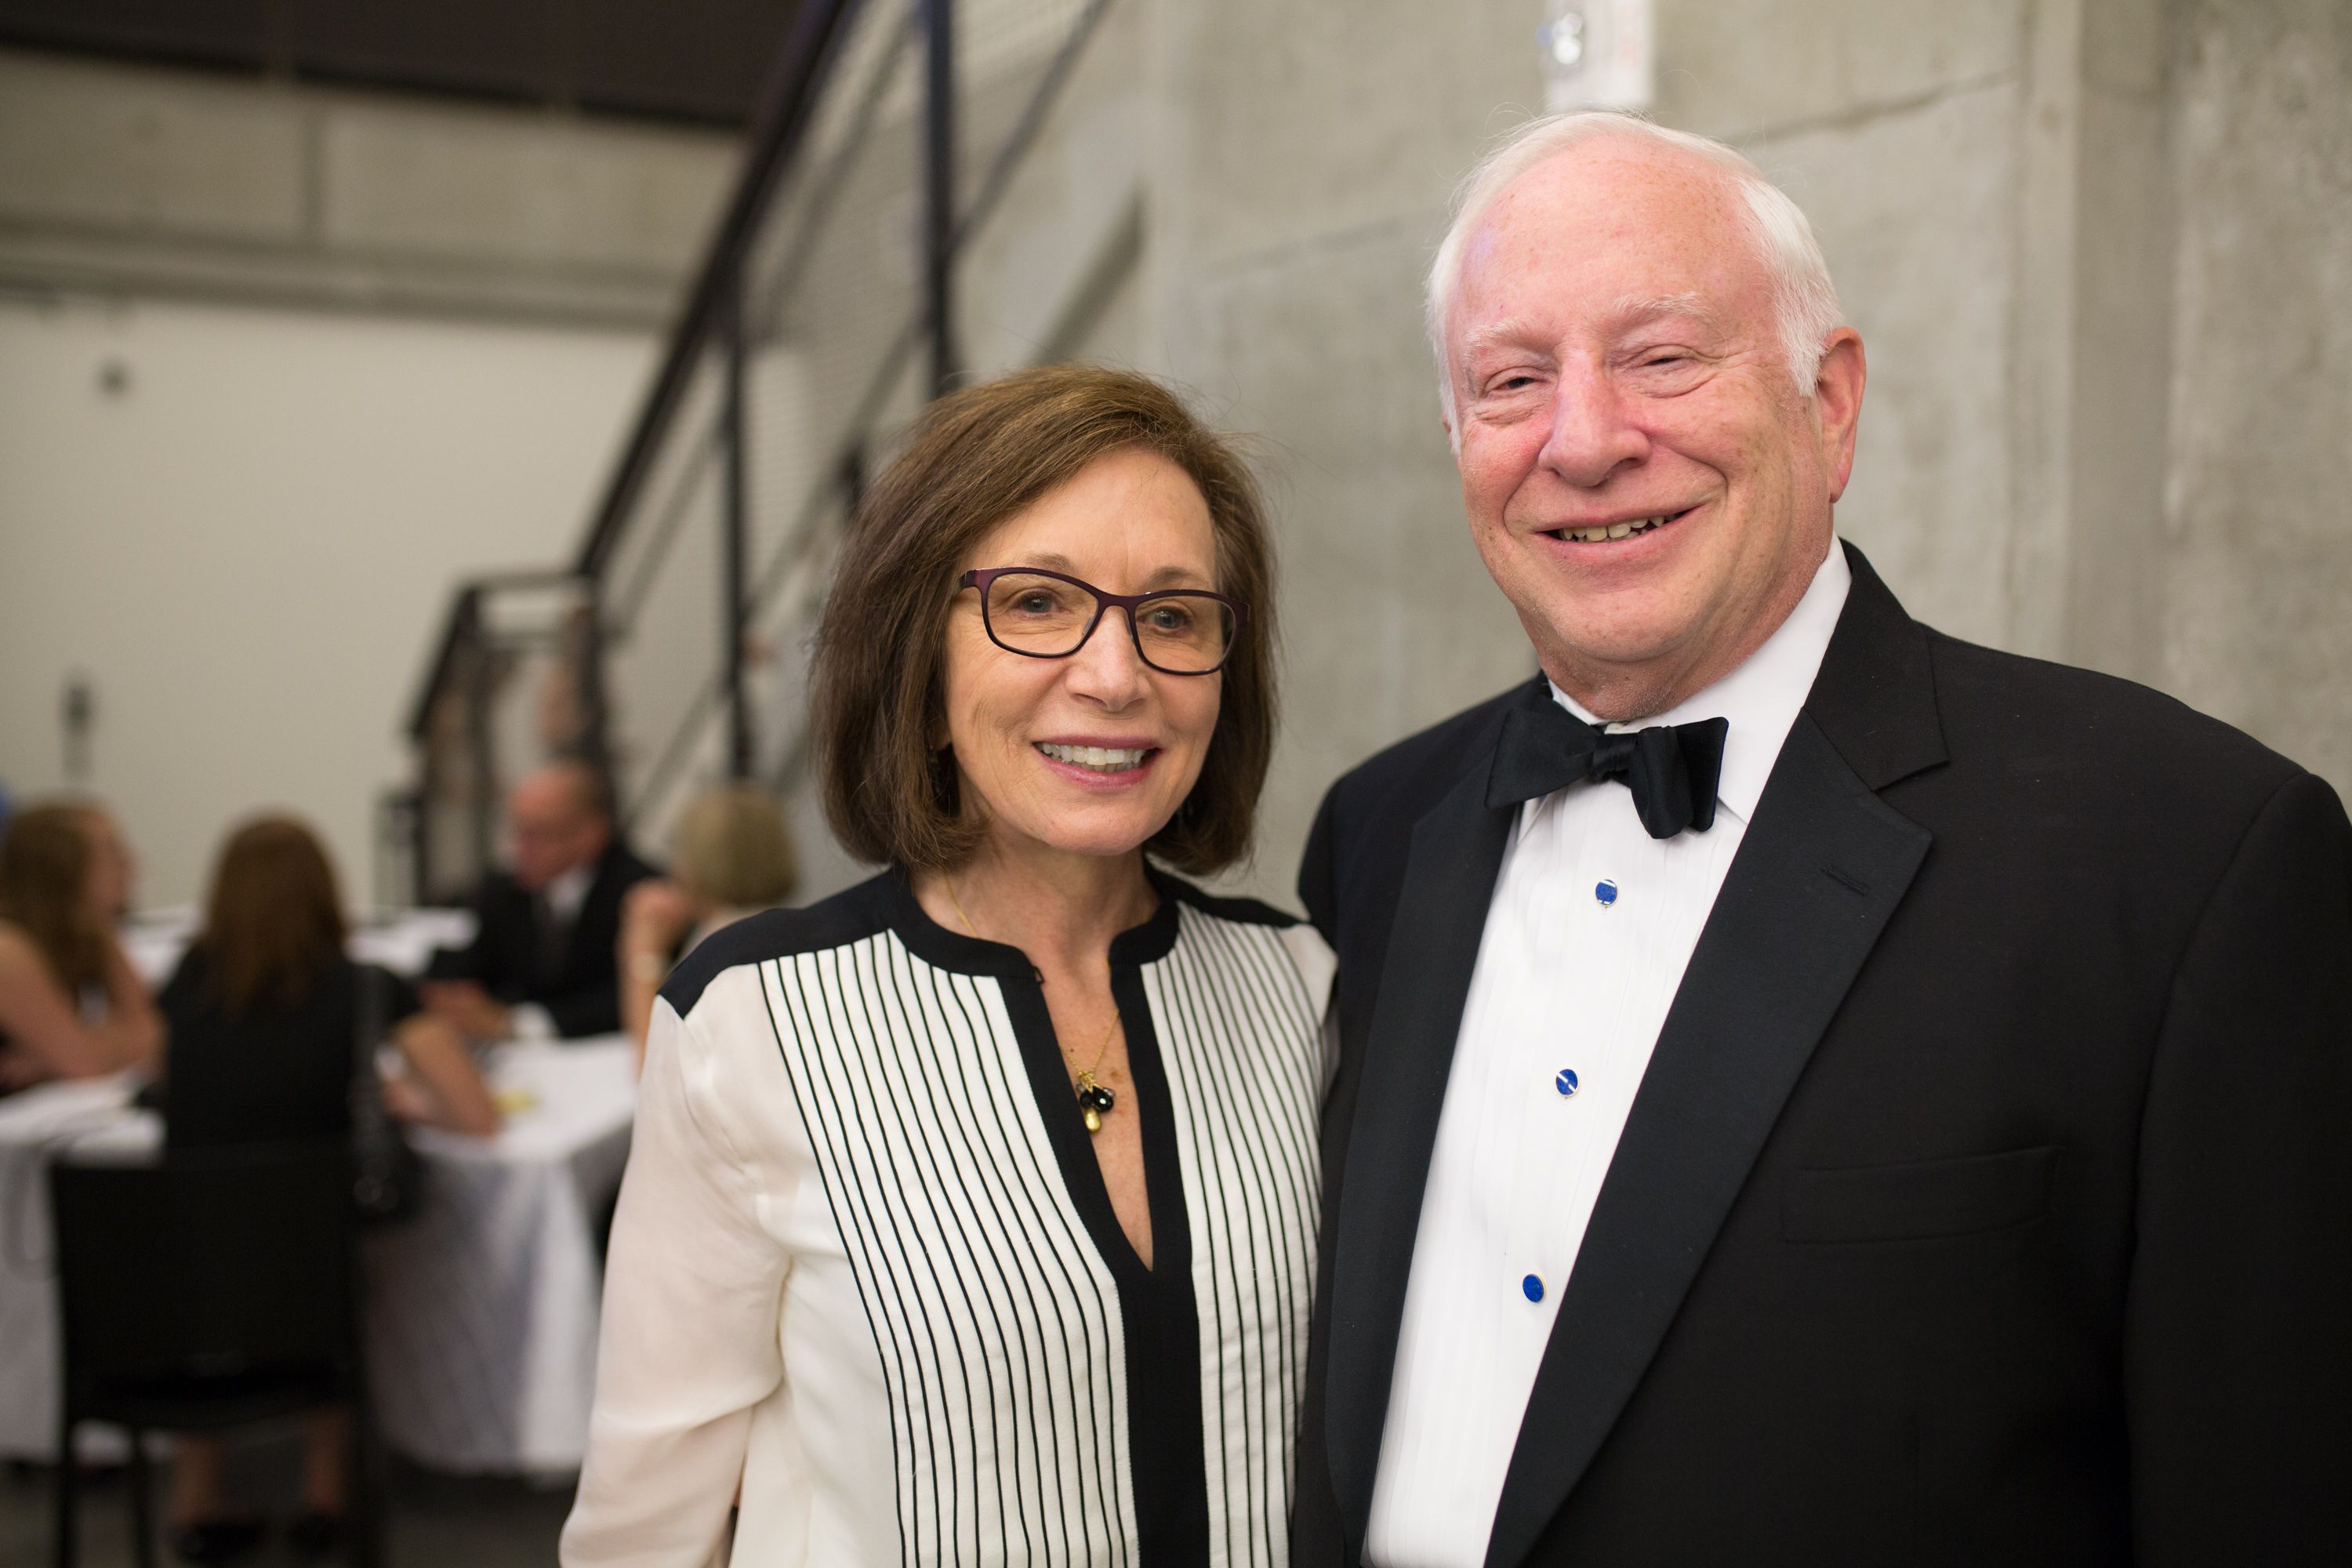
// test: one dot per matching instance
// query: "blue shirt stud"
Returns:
(1533, 1287)
(1565, 1082)
(1605, 891)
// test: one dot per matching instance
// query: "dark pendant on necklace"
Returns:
(1094, 1101)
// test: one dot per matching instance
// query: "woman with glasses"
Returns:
(970, 1213)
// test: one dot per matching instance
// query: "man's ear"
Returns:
(1837, 404)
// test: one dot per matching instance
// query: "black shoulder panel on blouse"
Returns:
(1241, 911)
(848, 916)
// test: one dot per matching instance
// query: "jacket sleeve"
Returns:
(688, 1345)
(2238, 1355)
(477, 960)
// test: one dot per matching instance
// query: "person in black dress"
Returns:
(261, 1013)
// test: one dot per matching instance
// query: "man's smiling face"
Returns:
(1641, 474)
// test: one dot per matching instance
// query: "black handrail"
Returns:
(938, 191)
(781, 117)
(843, 480)
(715, 317)
(785, 104)
(463, 623)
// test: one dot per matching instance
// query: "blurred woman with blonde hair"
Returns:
(70, 1004)
(734, 858)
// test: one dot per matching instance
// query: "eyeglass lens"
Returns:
(1183, 633)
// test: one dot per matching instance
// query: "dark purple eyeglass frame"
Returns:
(1130, 603)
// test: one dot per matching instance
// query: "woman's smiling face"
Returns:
(1025, 731)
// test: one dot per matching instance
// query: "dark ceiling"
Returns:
(700, 61)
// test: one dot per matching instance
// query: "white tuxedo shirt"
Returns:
(1591, 925)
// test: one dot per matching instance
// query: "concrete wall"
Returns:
(121, 180)
(1302, 155)
(2097, 249)
(2257, 554)
(1895, 127)
(1307, 155)
(243, 526)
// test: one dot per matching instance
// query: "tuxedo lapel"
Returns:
(1449, 880)
(1818, 876)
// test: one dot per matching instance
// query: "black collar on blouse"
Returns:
(963, 954)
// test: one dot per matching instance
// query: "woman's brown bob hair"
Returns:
(978, 457)
(274, 925)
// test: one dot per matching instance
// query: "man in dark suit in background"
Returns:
(1812, 1090)
(541, 962)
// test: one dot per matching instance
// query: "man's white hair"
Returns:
(1805, 301)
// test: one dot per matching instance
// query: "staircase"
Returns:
(904, 152)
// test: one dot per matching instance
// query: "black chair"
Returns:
(211, 1289)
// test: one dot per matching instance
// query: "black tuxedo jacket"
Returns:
(1988, 1196)
(583, 996)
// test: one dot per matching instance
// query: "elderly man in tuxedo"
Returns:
(542, 961)
(1812, 1090)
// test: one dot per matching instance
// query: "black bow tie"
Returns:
(1671, 769)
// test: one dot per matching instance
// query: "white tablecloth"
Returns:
(401, 940)
(482, 1311)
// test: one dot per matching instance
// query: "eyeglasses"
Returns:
(1039, 614)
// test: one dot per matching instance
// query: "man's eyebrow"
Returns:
(1634, 309)
(1511, 330)
(1630, 311)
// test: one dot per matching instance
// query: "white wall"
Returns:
(249, 547)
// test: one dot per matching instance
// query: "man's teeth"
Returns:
(1602, 534)
(1108, 758)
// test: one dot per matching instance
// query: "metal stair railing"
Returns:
(567, 661)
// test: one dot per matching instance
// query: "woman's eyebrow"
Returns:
(1166, 576)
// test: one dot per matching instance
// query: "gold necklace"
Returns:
(1094, 1099)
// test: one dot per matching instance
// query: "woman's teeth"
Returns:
(1102, 759)
(1610, 531)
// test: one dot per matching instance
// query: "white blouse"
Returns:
(865, 1262)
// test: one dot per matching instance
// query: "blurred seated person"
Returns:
(733, 858)
(264, 1012)
(70, 1004)
(264, 1005)
(541, 960)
